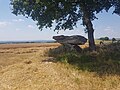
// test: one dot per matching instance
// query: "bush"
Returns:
(61, 50)
(106, 60)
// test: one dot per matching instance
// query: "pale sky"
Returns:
(20, 28)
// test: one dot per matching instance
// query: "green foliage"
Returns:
(61, 50)
(106, 60)
(113, 39)
(104, 38)
(69, 58)
(111, 51)
(66, 13)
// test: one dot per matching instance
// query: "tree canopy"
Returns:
(65, 13)
(104, 38)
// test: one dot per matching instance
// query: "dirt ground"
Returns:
(27, 67)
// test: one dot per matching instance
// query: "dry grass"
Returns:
(27, 67)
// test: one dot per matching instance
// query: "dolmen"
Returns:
(71, 42)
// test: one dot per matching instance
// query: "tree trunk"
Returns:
(89, 26)
(92, 46)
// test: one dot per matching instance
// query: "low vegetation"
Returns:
(28, 67)
(104, 61)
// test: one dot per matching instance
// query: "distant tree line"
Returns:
(107, 38)
(104, 38)
(114, 40)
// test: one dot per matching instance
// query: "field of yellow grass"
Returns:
(28, 67)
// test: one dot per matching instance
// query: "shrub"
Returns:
(106, 60)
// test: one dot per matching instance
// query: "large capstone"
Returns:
(73, 40)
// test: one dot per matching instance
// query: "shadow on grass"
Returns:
(105, 61)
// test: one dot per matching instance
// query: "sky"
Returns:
(17, 28)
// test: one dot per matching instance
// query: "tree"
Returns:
(104, 38)
(107, 38)
(65, 13)
(113, 40)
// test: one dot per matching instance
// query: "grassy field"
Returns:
(28, 67)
